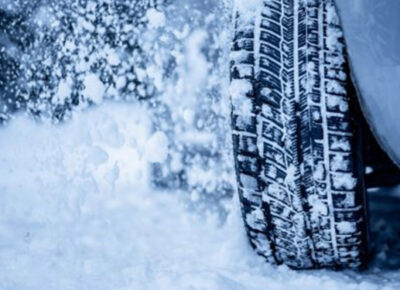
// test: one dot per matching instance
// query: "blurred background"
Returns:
(171, 59)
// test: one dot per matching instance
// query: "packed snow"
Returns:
(139, 194)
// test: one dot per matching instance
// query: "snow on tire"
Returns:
(295, 138)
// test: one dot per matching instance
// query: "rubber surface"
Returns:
(296, 144)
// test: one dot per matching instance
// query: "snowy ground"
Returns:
(76, 213)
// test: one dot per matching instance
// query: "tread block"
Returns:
(274, 5)
(249, 182)
(270, 14)
(272, 133)
(274, 154)
(243, 124)
(339, 143)
(245, 145)
(249, 198)
(241, 56)
(273, 82)
(273, 172)
(270, 65)
(341, 162)
(248, 164)
(269, 50)
(278, 192)
(242, 71)
(243, 44)
(271, 26)
(338, 124)
(271, 97)
(270, 38)
(344, 200)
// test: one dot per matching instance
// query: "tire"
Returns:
(296, 137)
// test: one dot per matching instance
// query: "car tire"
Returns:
(297, 140)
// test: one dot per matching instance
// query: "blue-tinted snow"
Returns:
(76, 212)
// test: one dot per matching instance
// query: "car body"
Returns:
(372, 35)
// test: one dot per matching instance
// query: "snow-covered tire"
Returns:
(297, 145)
